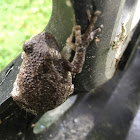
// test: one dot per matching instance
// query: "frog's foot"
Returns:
(88, 14)
(78, 39)
(90, 33)
(82, 42)
(93, 33)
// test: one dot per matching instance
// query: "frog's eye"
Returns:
(27, 48)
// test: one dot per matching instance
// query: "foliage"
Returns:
(19, 20)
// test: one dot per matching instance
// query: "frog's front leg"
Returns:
(82, 42)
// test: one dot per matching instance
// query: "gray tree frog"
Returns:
(45, 77)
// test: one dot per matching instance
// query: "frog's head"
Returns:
(42, 45)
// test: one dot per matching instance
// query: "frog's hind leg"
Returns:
(88, 14)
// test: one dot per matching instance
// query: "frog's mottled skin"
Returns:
(44, 80)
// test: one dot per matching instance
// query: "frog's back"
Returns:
(43, 83)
